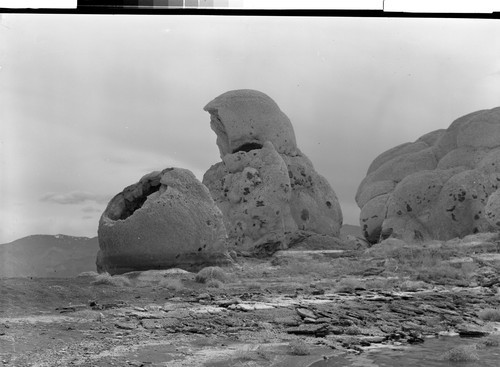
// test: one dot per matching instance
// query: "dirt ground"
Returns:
(261, 314)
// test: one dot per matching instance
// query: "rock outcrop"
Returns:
(492, 210)
(168, 219)
(437, 187)
(265, 186)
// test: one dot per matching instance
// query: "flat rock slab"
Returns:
(310, 252)
(467, 330)
(306, 313)
(300, 254)
(490, 259)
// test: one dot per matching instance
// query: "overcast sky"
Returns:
(90, 103)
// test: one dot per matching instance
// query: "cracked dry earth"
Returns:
(246, 322)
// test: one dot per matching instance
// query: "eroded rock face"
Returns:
(168, 219)
(492, 210)
(265, 186)
(436, 187)
(245, 119)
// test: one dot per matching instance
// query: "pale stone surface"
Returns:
(168, 219)
(441, 182)
(481, 132)
(403, 165)
(313, 202)
(467, 157)
(490, 162)
(266, 188)
(253, 191)
(406, 148)
(492, 209)
(459, 210)
(373, 190)
(431, 138)
(243, 117)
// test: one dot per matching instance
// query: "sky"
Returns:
(91, 103)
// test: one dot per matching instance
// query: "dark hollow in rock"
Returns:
(265, 186)
(130, 206)
(248, 147)
(167, 219)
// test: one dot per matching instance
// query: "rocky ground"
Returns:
(296, 308)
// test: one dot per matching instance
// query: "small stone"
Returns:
(152, 307)
(309, 329)
(309, 320)
(228, 302)
(318, 292)
(203, 296)
(467, 330)
(244, 307)
(125, 325)
(135, 363)
(287, 321)
(306, 313)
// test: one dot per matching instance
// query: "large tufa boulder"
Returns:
(266, 188)
(438, 186)
(168, 219)
(245, 119)
(492, 209)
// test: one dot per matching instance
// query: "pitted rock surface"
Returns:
(168, 219)
(492, 209)
(437, 187)
(265, 186)
(253, 191)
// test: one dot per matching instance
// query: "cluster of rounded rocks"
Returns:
(264, 185)
(265, 193)
(442, 186)
(262, 192)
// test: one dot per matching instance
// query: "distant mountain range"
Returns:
(62, 256)
(48, 256)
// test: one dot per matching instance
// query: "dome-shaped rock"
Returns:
(265, 186)
(245, 119)
(436, 187)
(168, 219)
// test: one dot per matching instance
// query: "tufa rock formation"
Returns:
(492, 210)
(443, 185)
(266, 188)
(167, 219)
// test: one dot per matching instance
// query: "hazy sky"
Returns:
(90, 103)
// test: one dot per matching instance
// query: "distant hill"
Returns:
(48, 256)
(352, 230)
(62, 256)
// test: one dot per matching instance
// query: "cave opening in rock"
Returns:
(129, 205)
(248, 147)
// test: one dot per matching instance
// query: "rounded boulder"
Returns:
(245, 119)
(167, 219)
(437, 187)
(492, 209)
